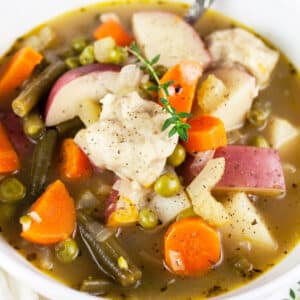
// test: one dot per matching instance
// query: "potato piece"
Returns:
(168, 208)
(211, 94)
(204, 204)
(237, 46)
(280, 131)
(241, 91)
(245, 223)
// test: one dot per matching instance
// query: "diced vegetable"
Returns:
(69, 128)
(194, 164)
(33, 125)
(89, 112)
(204, 204)
(178, 41)
(52, 216)
(245, 223)
(9, 160)
(107, 251)
(225, 49)
(280, 131)
(233, 110)
(168, 208)
(102, 49)
(12, 190)
(211, 94)
(167, 185)
(96, 287)
(206, 133)
(67, 251)
(259, 141)
(148, 218)
(251, 170)
(41, 162)
(191, 247)
(177, 157)
(184, 76)
(91, 82)
(18, 70)
(74, 164)
(36, 88)
(7, 211)
(125, 213)
(115, 30)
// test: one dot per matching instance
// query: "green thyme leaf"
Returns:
(292, 294)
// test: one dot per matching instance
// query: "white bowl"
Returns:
(277, 20)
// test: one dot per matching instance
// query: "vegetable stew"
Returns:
(145, 160)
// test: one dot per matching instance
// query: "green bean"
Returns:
(33, 125)
(12, 190)
(72, 62)
(67, 251)
(87, 56)
(94, 286)
(106, 251)
(42, 158)
(69, 128)
(7, 211)
(36, 88)
(79, 44)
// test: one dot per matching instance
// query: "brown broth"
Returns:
(282, 215)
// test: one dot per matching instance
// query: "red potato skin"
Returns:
(251, 169)
(193, 165)
(14, 128)
(110, 204)
(73, 74)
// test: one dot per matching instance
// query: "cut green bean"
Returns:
(42, 158)
(69, 128)
(33, 125)
(96, 287)
(12, 190)
(106, 251)
(37, 88)
(7, 211)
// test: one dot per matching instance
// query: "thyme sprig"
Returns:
(175, 122)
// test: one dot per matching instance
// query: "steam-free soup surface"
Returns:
(146, 246)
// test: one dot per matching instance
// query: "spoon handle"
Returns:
(197, 9)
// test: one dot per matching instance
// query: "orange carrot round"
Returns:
(206, 133)
(52, 216)
(191, 247)
(18, 70)
(75, 164)
(182, 92)
(9, 160)
(115, 30)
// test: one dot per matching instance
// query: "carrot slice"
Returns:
(9, 160)
(18, 69)
(52, 216)
(206, 133)
(115, 30)
(191, 247)
(75, 164)
(182, 92)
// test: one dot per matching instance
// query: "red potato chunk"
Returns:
(251, 170)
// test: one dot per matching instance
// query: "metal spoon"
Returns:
(196, 10)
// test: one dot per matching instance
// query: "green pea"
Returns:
(177, 157)
(117, 55)
(72, 62)
(67, 251)
(7, 211)
(148, 218)
(87, 56)
(160, 70)
(167, 185)
(259, 141)
(12, 190)
(189, 212)
(79, 44)
(146, 92)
